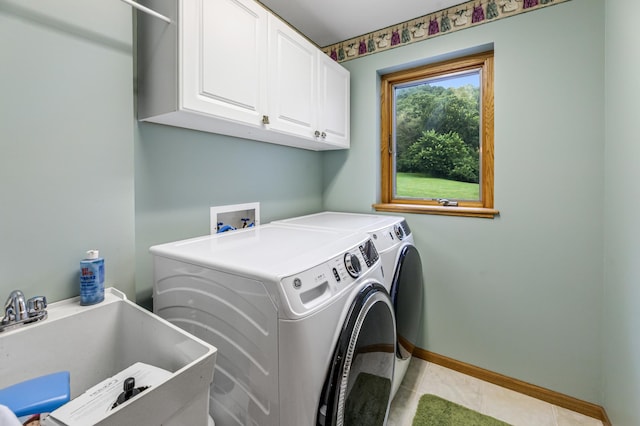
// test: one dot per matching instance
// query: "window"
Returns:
(437, 138)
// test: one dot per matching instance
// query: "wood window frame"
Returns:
(479, 208)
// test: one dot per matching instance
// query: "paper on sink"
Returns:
(96, 403)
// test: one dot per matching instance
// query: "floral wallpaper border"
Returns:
(445, 21)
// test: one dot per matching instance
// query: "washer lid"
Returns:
(266, 251)
(352, 222)
(383, 229)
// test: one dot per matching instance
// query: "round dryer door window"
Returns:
(406, 294)
(357, 390)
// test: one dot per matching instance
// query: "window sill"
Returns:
(438, 210)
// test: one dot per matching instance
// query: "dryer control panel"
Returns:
(389, 236)
(308, 290)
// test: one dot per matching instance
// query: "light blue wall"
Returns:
(521, 294)
(621, 328)
(181, 173)
(66, 144)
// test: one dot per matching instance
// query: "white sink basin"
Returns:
(96, 342)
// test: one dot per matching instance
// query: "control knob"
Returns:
(399, 232)
(353, 265)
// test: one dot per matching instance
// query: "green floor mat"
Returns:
(435, 411)
(367, 402)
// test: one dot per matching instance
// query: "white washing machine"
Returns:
(401, 265)
(304, 327)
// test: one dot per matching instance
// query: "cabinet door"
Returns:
(292, 81)
(223, 59)
(334, 104)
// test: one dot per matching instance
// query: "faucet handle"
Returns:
(9, 315)
(36, 305)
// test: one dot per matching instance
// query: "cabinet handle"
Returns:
(265, 119)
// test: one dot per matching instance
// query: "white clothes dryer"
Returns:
(401, 265)
(304, 327)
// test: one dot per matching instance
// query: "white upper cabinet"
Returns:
(224, 69)
(308, 91)
(231, 67)
(293, 72)
(333, 102)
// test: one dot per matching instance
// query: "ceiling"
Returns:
(326, 22)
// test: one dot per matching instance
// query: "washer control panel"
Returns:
(310, 288)
(369, 253)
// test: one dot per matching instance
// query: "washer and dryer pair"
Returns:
(301, 316)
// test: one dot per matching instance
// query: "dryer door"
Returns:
(357, 390)
(406, 294)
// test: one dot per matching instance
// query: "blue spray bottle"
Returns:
(92, 278)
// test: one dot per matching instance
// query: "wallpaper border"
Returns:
(445, 21)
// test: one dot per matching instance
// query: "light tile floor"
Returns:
(506, 405)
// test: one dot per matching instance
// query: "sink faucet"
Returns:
(15, 308)
(17, 311)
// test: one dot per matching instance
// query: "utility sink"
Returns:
(96, 342)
